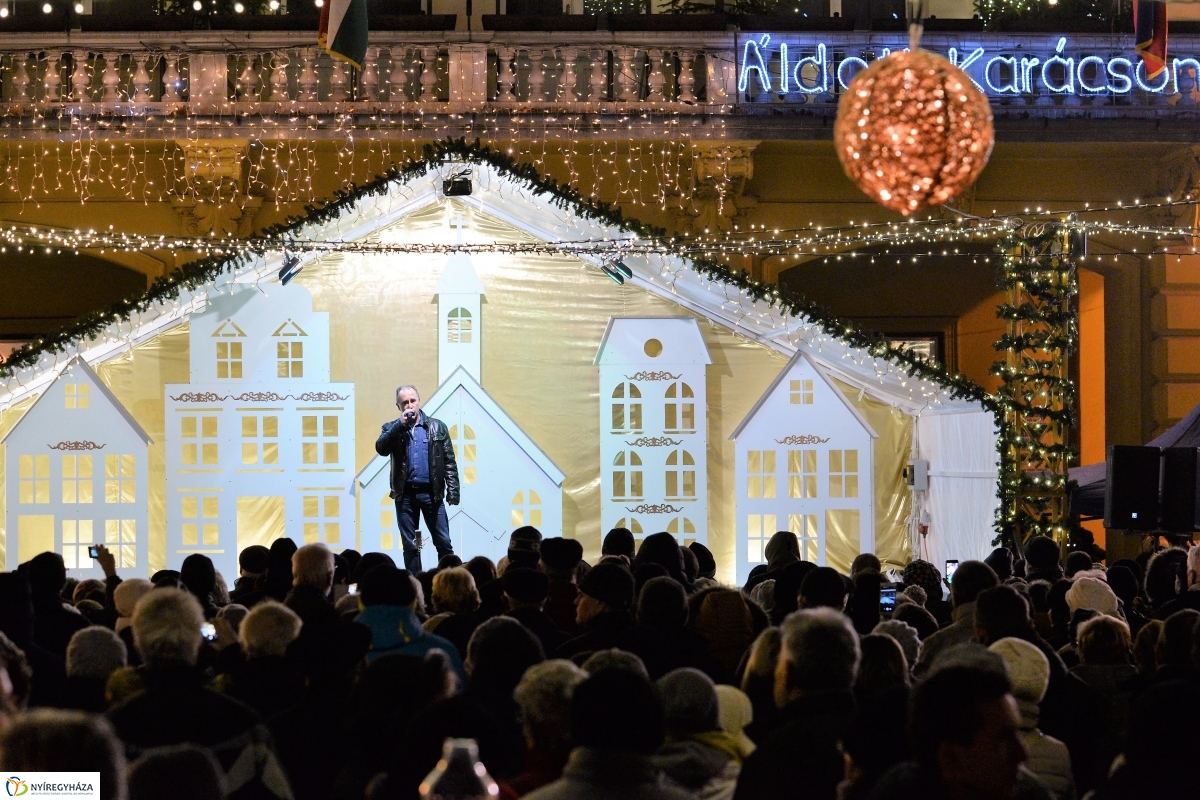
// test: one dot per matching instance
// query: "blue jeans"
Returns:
(409, 506)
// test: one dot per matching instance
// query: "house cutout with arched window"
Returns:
(804, 464)
(653, 436)
(77, 467)
(507, 481)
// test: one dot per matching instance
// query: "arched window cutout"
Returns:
(526, 513)
(458, 326)
(464, 452)
(627, 477)
(633, 525)
(681, 525)
(627, 408)
(681, 475)
(679, 411)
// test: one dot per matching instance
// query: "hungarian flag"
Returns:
(1150, 35)
(343, 31)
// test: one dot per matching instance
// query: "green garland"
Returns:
(1035, 399)
(196, 274)
(199, 273)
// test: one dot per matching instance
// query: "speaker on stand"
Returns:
(1180, 506)
(1131, 488)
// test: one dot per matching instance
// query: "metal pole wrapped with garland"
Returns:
(1037, 397)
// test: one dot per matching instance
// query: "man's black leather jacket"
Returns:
(443, 470)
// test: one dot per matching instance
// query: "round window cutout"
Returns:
(653, 348)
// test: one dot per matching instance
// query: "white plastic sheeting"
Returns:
(963, 470)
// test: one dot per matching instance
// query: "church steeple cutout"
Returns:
(459, 296)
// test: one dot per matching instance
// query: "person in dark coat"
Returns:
(705, 563)
(53, 622)
(48, 681)
(277, 582)
(661, 637)
(176, 707)
(662, 548)
(252, 567)
(965, 736)
(265, 679)
(619, 542)
(525, 592)
(559, 558)
(787, 588)
(602, 609)
(200, 577)
(802, 757)
(617, 724)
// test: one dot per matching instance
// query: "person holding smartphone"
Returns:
(424, 475)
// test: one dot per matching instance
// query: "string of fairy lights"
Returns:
(848, 242)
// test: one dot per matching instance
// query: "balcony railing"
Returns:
(770, 85)
(413, 72)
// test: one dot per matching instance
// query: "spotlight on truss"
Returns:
(613, 273)
(291, 268)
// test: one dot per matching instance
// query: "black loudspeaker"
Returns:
(1180, 507)
(1131, 488)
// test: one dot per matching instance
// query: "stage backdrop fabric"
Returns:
(543, 317)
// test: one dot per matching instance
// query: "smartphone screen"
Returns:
(887, 599)
(94, 551)
(353, 589)
(209, 631)
(951, 566)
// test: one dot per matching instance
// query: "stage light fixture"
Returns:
(291, 268)
(47, 8)
(617, 277)
(620, 267)
(457, 185)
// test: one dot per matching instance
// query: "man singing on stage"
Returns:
(423, 473)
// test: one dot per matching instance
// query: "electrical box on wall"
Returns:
(916, 475)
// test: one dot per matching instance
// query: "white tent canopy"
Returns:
(957, 436)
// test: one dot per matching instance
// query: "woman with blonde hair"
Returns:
(455, 603)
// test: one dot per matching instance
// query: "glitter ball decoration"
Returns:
(913, 131)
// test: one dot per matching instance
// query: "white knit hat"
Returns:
(736, 712)
(1092, 593)
(125, 598)
(905, 635)
(1027, 667)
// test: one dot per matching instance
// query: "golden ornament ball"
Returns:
(913, 131)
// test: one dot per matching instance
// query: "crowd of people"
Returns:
(323, 675)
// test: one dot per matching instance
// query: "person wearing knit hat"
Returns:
(252, 565)
(708, 564)
(1029, 673)
(736, 712)
(698, 756)
(388, 599)
(602, 608)
(560, 560)
(1088, 592)
(560, 555)
(905, 635)
(93, 655)
(523, 546)
(618, 542)
(125, 598)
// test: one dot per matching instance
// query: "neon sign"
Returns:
(797, 67)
